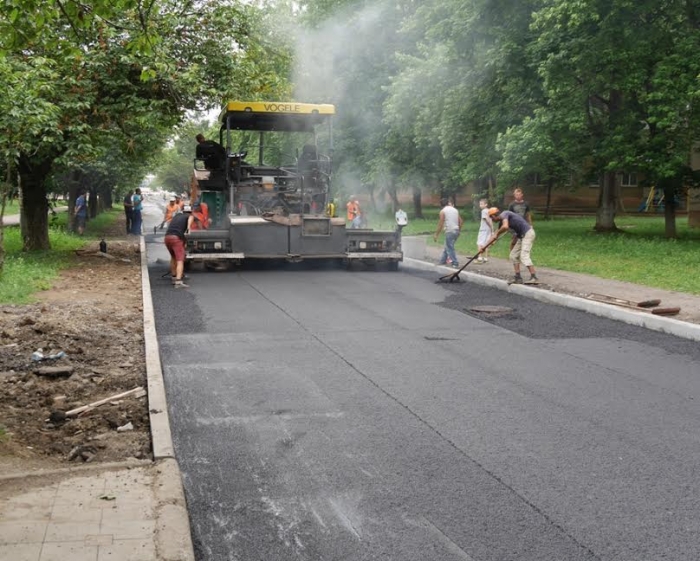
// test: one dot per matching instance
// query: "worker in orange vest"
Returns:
(171, 209)
(353, 211)
(200, 211)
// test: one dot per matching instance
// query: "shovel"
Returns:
(455, 276)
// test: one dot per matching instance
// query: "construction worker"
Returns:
(171, 209)
(524, 235)
(352, 210)
(200, 212)
(175, 242)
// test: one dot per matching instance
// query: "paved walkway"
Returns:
(96, 514)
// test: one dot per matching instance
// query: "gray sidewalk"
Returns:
(96, 513)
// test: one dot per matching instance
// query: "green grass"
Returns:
(639, 254)
(25, 273)
(12, 209)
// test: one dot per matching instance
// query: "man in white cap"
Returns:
(171, 209)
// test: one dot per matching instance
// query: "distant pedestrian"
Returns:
(485, 232)
(520, 206)
(137, 202)
(524, 235)
(451, 222)
(175, 241)
(129, 211)
(401, 217)
(80, 212)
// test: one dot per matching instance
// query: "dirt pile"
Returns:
(91, 321)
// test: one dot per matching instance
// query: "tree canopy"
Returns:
(429, 94)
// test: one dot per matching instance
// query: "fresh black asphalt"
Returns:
(327, 415)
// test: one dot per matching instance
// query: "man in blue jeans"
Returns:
(451, 222)
(137, 202)
(80, 212)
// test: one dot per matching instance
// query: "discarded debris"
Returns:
(139, 392)
(38, 355)
(647, 306)
(54, 371)
(127, 427)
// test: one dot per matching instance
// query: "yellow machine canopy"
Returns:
(286, 116)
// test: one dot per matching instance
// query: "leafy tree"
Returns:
(468, 82)
(622, 78)
(78, 77)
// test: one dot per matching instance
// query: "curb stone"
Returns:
(173, 538)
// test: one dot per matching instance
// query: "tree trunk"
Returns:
(369, 187)
(394, 196)
(417, 202)
(35, 206)
(607, 204)
(548, 204)
(669, 189)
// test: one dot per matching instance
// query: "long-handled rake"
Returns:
(452, 277)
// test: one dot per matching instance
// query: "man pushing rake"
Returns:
(520, 247)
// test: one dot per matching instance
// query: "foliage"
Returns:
(102, 87)
(621, 78)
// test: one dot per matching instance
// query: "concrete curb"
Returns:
(642, 319)
(173, 534)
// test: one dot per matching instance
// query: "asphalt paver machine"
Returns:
(267, 186)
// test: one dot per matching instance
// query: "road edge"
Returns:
(671, 326)
(173, 533)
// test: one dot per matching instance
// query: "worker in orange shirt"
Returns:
(353, 211)
(171, 209)
(200, 211)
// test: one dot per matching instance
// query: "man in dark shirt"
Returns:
(80, 211)
(520, 206)
(211, 153)
(129, 211)
(175, 242)
(524, 235)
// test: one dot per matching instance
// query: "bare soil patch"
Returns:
(93, 313)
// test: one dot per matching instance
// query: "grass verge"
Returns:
(25, 273)
(638, 254)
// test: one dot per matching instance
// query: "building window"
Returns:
(629, 180)
(595, 183)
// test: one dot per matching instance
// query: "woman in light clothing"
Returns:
(485, 231)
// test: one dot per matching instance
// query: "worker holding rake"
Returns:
(520, 252)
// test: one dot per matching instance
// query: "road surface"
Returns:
(328, 415)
